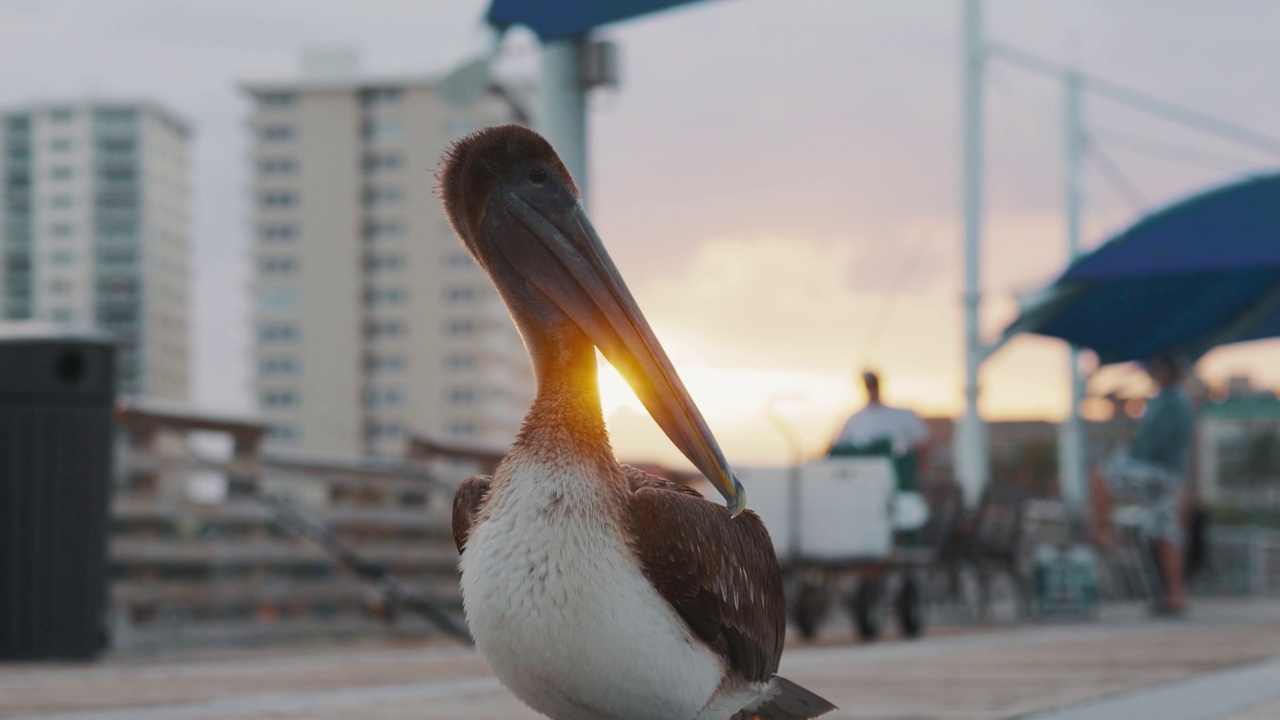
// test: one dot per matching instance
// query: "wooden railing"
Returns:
(198, 556)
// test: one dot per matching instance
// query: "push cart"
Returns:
(844, 532)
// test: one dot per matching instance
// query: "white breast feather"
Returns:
(563, 615)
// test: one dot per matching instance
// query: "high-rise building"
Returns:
(370, 320)
(95, 230)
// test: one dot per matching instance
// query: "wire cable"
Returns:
(1169, 111)
(1115, 177)
(1173, 153)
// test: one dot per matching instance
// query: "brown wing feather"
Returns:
(719, 573)
(466, 507)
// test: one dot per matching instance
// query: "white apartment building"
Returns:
(95, 230)
(371, 323)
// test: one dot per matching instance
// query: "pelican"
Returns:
(595, 591)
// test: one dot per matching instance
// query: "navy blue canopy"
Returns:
(1200, 273)
(556, 19)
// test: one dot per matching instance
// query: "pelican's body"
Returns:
(595, 591)
(597, 636)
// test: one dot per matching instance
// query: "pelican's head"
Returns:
(517, 210)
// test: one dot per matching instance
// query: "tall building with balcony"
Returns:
(95, 230)
(371, 322)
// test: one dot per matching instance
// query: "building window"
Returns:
(284, 433)
(384, 397)
(117, 233)
(278, 166)
(118, 200)
(61, 315)
(385, 328)
(274, 332)
(116, 256)
(383, 129)
(278, 299)
(116, 120)
(277, 199)
(17, 262)
(276, 100)
(278, 233)
(116, 147)
(62, 258)
(117, 288)
(118, 174)
(462, 362)
(60, 115)
(382, 162)
(276, 133)
(60, 144)
(384, 230)
(460, 294)
(376, 196)
(460, 395)
(61, 172)
(61, 230)
(462, 428)
(279, 398)
(278, 365)
(380, 96)
(278, 265)
(60, 201)
(461, 327)
(387, 430)
(117, 316)
(385, 296)
(381, 263)
(384, 364)
(457, 259)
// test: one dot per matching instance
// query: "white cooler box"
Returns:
(846, 507)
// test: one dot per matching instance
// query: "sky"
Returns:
(777, 181)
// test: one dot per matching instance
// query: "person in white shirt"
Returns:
(882, 429)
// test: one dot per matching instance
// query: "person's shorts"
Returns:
(1155, 489)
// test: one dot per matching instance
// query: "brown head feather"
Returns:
(477, 163)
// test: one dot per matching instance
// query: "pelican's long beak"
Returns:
(570, 267)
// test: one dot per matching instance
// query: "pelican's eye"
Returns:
(537, 175)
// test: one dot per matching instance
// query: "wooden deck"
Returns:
(1227, 653)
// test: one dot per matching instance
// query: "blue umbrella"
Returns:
(1201, 273)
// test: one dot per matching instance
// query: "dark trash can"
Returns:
(57, 391)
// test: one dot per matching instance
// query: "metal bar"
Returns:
(972, 461)
(1071, 438)
(1140, 101)
(562, 106)
(391, 588)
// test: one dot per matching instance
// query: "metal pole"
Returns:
(562, 106)
(1072, 450)
(972, 459)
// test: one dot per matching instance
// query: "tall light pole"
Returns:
(972, 452)
(1071, 435)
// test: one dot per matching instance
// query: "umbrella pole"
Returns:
(1072, 452)
(972, 457)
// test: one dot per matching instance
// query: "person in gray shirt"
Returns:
(1151, 472)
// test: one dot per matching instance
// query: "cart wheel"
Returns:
(910, 613)
(808, 608)
(868, 610)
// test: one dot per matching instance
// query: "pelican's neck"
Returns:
(565, 416)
